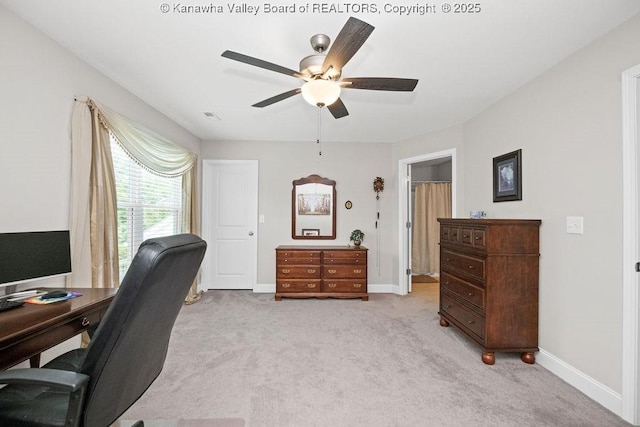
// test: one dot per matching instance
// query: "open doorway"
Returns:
(431, 170)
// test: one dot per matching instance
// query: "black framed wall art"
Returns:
(507, 177)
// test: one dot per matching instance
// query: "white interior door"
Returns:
(230, 223)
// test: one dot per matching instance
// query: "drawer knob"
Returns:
(311, 285)
(286, 285)
(449, 306)
(470, 322)
(357, 285)
(357, 271)
(311, 270)
(286, 271)
(470, 294)
(466, 236)
(85, 321)
(332, 271)
(332, 285)
(471, 267)
(477, 237)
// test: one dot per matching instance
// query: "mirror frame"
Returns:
(313, 179)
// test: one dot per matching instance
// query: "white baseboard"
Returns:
(270, 288)
(583, 382)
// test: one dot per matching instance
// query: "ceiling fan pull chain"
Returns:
(319, 127)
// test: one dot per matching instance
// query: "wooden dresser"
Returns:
(321, 272)
(489, 283)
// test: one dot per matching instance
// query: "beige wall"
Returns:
(568, 124)
(38, 81)
(352, 166)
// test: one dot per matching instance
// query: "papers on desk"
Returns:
(40, 300)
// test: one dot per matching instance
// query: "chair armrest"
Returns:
(64, 380)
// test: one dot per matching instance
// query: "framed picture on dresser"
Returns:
(507, 177)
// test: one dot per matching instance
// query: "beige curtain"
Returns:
(94, 242)
(151, 151)
(432, 201)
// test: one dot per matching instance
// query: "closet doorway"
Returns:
(427, 193)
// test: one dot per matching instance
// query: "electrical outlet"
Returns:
(575, 225)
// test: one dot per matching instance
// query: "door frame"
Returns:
(403, 216)
(630, 294)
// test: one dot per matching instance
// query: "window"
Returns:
(148, 205)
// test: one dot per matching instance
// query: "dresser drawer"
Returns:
(466, 264)
(466, 318)
(298, 257)
(345, 257)
(298, 272)
(344, 271)
(467, 291)
(473, 237)
(345, 285)
(297, 285)
(449, 234)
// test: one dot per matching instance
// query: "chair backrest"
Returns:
(128, 349)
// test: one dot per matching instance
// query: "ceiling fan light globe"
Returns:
(320, 92)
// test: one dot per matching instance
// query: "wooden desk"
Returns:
(27, 331)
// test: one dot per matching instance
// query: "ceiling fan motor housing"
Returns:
(312, 65)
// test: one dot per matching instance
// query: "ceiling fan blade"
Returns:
(260, 63)
(277, 98)
(380, 83)
(352, 36)
(337, 109)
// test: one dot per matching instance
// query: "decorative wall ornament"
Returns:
(378, 187)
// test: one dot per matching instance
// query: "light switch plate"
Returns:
(575, 225)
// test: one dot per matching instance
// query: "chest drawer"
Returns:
(449, 234)
(345, 285)
(467, 291)
(298, 285)
(350, 257)
(344, 271)
(466, 318)
(298, 257)
(299, 272)
(473, 237)
(466, 264)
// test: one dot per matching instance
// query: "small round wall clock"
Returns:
(348, 204)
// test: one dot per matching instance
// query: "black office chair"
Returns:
(92, 387)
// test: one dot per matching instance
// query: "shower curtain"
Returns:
(432, 201)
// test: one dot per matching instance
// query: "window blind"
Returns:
(148, 205)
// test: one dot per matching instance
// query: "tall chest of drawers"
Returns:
(321, 272)
(489, 271)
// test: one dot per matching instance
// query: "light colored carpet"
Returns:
(386, 362)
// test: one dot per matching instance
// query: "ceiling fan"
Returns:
(321, 72)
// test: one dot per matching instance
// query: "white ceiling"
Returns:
(465, 62)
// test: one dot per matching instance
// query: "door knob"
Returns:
(251, 233)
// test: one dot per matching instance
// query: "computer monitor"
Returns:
(30, 256)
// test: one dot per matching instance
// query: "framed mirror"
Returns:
(313, 208)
